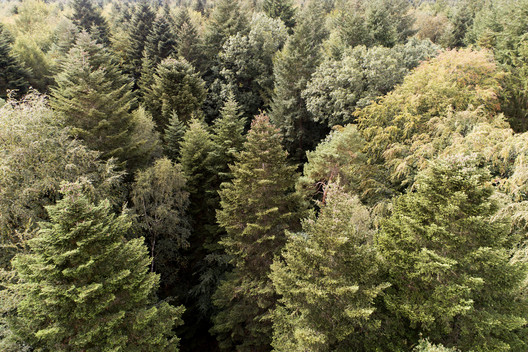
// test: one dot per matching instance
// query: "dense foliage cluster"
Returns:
(264, 175)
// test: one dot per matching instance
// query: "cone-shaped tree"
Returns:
(160, 202)
(226, 20)
(188, 42)
(449, 262)
(160, 45)
(282, 9)
(95, 98)
(85, 288)
(258, 206)
(228, 136)
(12, 74)
(177, 88)
(328, 280)
(293, 68)
(139, 28)
(88, 18)
(173, 136)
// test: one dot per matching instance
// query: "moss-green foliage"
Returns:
(38, 154)
(293, 67)
(257, 207)
(89, 18)
(12, 75)
(188, 41)
(359, 77)
(176, 89)
(160, 202)
(328, 280)
(406, 118)
(449, 263)
(138, 30)
(95, 98)
(281, 9)
(84, 287)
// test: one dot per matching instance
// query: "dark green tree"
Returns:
(293, 67)
(84, 287)
(160, 202)
(328, 280)
(449, 261)
(12, 74)
(172, 136)
(177, 89)
(95, 98)
(228, 136)
(225, 21)
(138, 31)
(257, 207)
(89, 18)
(160, 44)
(188, 42)
(282, 9)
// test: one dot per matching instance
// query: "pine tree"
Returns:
(282, 9)
(95, 97)
(173, 136)
(88, 18)
(328, 280)
(226, 20)
(160, 44)
(84, 287)
(293, 68)
(228, 136)
(258, 206)
(199, 167)
(139, 28)
(160, 203)
(449, 263)
(188, 42)
(177, 88)
(12, 74)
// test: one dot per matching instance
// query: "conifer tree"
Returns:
(188, 42)
(199, 167)
(293, 68)
(95, 97)
(139, 28)
(12, 74)
(160, 202)
(282, 9)
(160, 44)
(88, 18)
(178, 89)
(228, 136)
(85, 288)
(258, 206)
(328, 280)
(172, 136)
(226, 20)
(449, 263)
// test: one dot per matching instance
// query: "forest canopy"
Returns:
(264, 175)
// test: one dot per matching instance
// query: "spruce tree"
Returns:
(88, 18)
(95, 97)
(12, 74)
(228, 136)
(172, 136)
(293, 68)
(178, 89)
(188, 42)
(282, 9)
(160, 44)
(85, 288)
(160, 203)
(226, 20)
(449, 262)
(257, 207)
(328, 280)
(139, 28)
